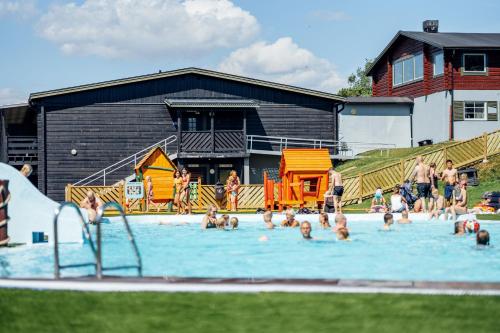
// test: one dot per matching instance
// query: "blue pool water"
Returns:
(420, 251)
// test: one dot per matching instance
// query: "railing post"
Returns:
(360, 189)
(485, 138)
(135, 160)
(165, 146)
(281, 144)
(402, 170)
(104, 177)
(200, 193)
(99, 251)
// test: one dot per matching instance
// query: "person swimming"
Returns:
(342, 234)
(340, 222)
(209, 221)
(459, 229)
(290, 220)
(404, 218)
(268, 219)
(323, 221)
(388, 221)
(234, 222)
(483, 238)
(305, 230)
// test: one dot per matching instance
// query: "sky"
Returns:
(314, 44)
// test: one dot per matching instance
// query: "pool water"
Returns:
(420, 251)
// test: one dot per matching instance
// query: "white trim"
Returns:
(402, 60)
(485, 110)
(472, 72)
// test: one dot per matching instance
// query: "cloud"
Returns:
(9, 96)
(138, 28)
(330, 15)
(23, 9)
(285, 62)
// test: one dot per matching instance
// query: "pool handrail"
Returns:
(99, 217)
(86, 231)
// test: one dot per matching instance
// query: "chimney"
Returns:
(431, 26)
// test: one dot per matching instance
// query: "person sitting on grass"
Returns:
(340, 222)
(209, 221)
(91, 203)
(388, 221)
(483, 238)
(268, 219)
(323, 221)
(343, 234)
(398, 203)
(459, 203)
(290, 220)
(436, 204)
(305, 230)
(404, 218)
(484, 207)
(150, 195)
(379, 204)
(234, 223)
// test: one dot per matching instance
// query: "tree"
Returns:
(359, 83)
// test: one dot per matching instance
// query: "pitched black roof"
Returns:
(446, 40)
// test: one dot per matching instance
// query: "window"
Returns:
(474, 111)
(408, 69)
(474, 63)
(438, 63)
(191, 124)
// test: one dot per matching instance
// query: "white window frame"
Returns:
(434, 55)
(474, 54)
(485, 109)
(401, 60)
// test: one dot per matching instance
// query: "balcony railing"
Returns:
(229, 141)
(22, 149)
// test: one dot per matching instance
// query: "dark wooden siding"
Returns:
(108, 124)
(490, 81)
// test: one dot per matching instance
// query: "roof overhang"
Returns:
(372, 100)
(215, 103)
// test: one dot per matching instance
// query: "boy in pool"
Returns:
(290, 220)
(340, 222)
(459, 229)
(222, 221)
(323, 221)
(404, 218)
(305, 230)
(268, 219)
(343, 234)
(234, 222)
(388, 221)
(483, 238)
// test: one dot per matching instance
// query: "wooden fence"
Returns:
(356, 188)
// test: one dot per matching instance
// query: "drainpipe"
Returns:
(452, 123)
(337, 108)
(411, 125)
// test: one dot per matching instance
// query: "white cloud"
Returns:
(10, 96)
(138, 28)
(330, 15)
(23, 9)
(285, 62)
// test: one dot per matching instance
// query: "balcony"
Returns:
(223, 143)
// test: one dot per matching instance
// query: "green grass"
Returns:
(49, 311)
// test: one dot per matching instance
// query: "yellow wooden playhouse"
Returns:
(304, 178)
(160, 168)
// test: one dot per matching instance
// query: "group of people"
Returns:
(428, 199)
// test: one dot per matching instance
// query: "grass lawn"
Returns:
(51, 311)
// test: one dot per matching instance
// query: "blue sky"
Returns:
(315, 43)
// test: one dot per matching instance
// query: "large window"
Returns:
(474, 110)
(408, 69)
(191, 122)
(474, 63)
(438, 63)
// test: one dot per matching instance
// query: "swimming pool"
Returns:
(420, 251)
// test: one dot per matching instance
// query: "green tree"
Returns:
(359, 83)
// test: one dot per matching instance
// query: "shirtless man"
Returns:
(337, 188)
(305, 230)
(404, 218)
(91, 203)
(449, 176)
(421, 174)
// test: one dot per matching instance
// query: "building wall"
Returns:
(260, 163)
(431, 117)
(376, 123)
(108, 124)
(470, 128)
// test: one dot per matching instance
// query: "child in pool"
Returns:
(268, 219)
(323, 221)
(483, 238)
(404, 218)
(234, 222)
(343, 234)
(222, 221)
(388, 221)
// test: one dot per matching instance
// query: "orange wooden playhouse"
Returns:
(161, 169)
(304, 179)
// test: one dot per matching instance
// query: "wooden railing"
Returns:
(464, 153)
(222, 141)
(22, 149)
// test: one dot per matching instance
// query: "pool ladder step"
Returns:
(96, 249)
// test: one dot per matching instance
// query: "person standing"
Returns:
(232, 186)
(178, 191)
(337, 188)
(422, 176)
(449, 176)
(186, 178)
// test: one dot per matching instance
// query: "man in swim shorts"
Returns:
(305, 230)
(421, 175)
(449, 176)
(337, 189)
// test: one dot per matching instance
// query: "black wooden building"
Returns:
(221, 122)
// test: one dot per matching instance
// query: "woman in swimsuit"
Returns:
(186, 177)
(209, 221)
(150, 195)
(232, 186)
(178, 190)
(433, 175)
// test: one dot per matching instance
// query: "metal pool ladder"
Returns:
(96, 250)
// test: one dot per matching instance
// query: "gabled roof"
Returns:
(446, 40)
(148, 155)
(305, 160)
(183, 71)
